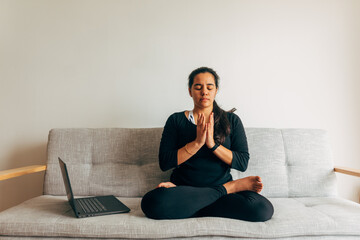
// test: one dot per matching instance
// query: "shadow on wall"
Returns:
(16, 190)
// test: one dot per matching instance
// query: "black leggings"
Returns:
(186, 201)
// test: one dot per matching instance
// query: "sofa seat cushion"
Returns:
(52, 216)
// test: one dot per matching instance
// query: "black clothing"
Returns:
(203, 168)
(200, 191)
(179, 202)
(187, 201)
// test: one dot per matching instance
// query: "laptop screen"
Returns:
(66, 179)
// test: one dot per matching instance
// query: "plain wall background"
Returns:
(282, 64)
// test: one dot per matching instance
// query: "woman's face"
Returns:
(203, 90)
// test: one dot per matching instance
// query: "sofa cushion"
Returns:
(291, 162)
(124, 162)
(52, 216)
(267, 160)
(117, 161)
(197, 238)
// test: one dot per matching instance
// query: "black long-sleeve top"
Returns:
(204, 168)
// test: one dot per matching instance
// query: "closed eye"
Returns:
(199, 87)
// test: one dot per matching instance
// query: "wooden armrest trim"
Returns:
(16, 172)
(349, 171)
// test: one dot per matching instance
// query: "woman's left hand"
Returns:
(210, 132)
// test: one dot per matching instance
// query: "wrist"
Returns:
(211, 144)
(187, 150)
(212, 149)
(197, 145)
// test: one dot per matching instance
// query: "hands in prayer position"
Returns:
(205, 131)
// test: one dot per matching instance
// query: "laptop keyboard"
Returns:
(91, 205)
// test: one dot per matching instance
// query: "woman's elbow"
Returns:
(163, 167)
(241, 162)
(244, 167)
(164, 163)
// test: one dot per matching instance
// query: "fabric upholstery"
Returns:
(306, 217)
(197, 238)
(295, 165)
(124, 162)
(291, 162)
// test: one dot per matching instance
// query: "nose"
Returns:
(204, 92)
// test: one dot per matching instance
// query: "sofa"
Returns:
(295, 165)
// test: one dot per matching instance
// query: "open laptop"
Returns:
(91, 206)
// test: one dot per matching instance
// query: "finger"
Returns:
(202, 122)
(212, 118)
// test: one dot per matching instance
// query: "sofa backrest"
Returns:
(124, 161)
(291, 162)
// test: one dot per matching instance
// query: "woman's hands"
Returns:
(204, 135)
(201, 130)
(210, 132)
(205, 131)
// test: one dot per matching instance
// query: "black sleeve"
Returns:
(239, 146)
(168, 145)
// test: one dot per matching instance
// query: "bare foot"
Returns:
(166, 185)
(251, 183)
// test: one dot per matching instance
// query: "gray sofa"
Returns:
(295, 164)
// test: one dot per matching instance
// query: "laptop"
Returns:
(91, 206)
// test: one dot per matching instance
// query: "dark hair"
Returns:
(221, 122)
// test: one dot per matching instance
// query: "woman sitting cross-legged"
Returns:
(202, 145)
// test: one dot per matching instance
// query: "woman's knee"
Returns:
(254, 207)
(263, 210)
(153, 204)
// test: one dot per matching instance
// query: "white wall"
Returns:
(283, 64)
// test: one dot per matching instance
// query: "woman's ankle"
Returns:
(229, 187)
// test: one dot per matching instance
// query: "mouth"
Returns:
(204, 99)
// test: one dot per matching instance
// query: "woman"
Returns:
(202, 145)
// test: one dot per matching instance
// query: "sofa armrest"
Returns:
(16, 172)
(349, 171)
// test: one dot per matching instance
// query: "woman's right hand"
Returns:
(201, 130)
